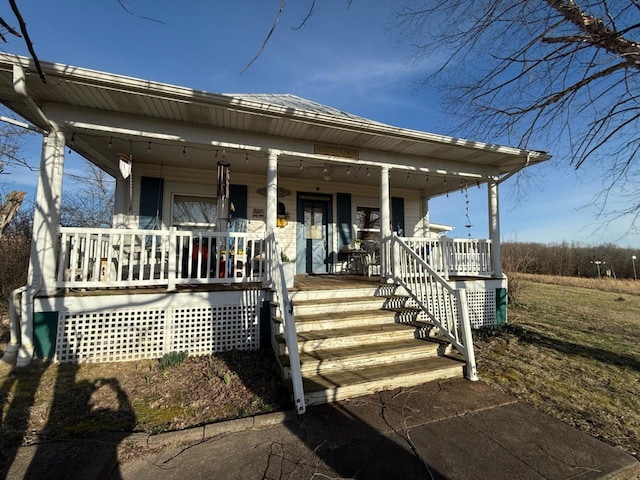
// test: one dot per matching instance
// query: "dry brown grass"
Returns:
(606, 284)
(47, 401)
(572, 349)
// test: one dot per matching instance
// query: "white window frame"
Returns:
(192, 225)
(375, 231)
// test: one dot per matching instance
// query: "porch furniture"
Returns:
(371, 264)
(356, 260)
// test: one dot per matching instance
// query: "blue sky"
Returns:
(345, 56)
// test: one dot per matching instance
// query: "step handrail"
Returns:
(436, 298)
(285, 306)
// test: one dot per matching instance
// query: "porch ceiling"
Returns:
(286, 118)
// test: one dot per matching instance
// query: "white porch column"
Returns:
(494, 229)
(426, 227)
(121, 202)
(385, 221)
(385, 203)
(272, 191)
(46, 217)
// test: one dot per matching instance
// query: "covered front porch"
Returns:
(219, 199)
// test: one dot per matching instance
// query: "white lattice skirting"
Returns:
(482, 308)
(123, 334)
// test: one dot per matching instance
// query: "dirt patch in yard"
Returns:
(47, 401)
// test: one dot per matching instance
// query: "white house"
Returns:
(213, 191)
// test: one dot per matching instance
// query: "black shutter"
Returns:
(397, 215)
(238, 198)
(150, 215)
(343, 208)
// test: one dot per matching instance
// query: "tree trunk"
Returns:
(10, 208)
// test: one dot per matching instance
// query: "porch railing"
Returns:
(454, 256)
(444, 305)
(96, 257)
(288, 321)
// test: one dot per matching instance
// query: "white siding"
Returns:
(203, 183)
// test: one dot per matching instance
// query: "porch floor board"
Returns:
(306, 282)
(209, 287)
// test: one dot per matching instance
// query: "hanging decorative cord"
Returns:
(466, 199)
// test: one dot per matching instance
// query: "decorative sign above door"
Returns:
(282, 192)
(333, 151)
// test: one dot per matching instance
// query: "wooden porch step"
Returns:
(340, 385)
(351, 358)
(349, 337)
(333, 305)
(306, 295)
(323, 321)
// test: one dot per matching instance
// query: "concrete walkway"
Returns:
(454, 430)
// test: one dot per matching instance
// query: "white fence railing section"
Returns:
(288, 321)
(96, 257)
(444, 305)
(454, 256)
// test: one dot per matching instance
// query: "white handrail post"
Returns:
(395, 256)
(171, 274)
(445, 247)
(288, 320)
(467, 337)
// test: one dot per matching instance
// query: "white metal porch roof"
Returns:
(282, 116)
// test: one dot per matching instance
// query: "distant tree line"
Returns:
(570, 259)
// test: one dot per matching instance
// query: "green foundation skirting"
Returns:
(501, 306)
(45, 331)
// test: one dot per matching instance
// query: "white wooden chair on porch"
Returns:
(372, 257)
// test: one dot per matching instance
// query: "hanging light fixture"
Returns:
(327, 173)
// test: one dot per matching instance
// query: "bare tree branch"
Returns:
(266, 40)
(9, 29)
(124, 7)
(308, 16)
(27, 39)
(525, 71)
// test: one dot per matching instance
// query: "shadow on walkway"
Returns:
(68, 447)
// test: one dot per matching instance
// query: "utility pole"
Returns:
(597, 264)
(633, 261)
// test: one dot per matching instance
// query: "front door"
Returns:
(315, 235)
